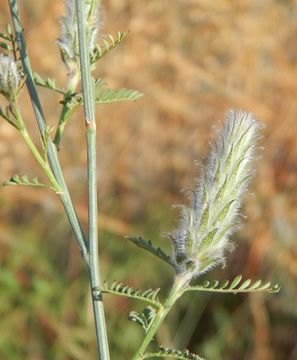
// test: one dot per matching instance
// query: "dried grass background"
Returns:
(193, 60)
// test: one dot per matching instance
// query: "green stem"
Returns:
(64, 117)
(52, 152)
(175, 293)
(66, 111)
(89, 111)
(44, 165)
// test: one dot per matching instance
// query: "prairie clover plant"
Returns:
(203, 237)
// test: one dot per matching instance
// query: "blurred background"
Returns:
(193, 60)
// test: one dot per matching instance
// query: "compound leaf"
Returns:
(104, 95)
(147, 245)
(171, 354)
(109, 42)
(236, 286)
(24, 181)
(150, 296)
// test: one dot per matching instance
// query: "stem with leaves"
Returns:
(51, 149)
(90, 122)
(175, 293)
(28, 140)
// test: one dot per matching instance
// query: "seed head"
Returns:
(11, 79)
(203, 237)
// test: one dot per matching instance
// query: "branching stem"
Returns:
(51, 149)
(174, 294)
(28, 140)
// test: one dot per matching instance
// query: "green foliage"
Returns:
(236, 286)
(147, 245)
(108, 43)
(104, 95)
(172, 354)
(145, 318)
(7, 37)
(24, 181)
(5, 46)
(150, 296)
(47, 83)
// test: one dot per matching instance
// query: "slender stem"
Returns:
(52, 152)
(66, 111)
(174, 294)
(44, 165)
(89, 111)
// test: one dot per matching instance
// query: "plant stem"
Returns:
(44, 165)
(175, 293)
(89, 111)
(64, 117)
(52, 152)
(66, 111)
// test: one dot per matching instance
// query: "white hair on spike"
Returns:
(68, 41)
(202, 239)
(11, 79)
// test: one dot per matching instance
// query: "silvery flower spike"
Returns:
(203, 237)
(11, 79)
(68, 41)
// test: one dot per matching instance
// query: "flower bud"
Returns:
(203, 237)
(11, 80)
(68, 41)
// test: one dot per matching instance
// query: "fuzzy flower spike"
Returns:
(203, 237)
(68, 41)
(11, 77)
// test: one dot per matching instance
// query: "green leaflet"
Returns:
(5, 46)
(147, 245)
(236, 286)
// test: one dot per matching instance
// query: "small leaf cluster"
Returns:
(144, 318)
